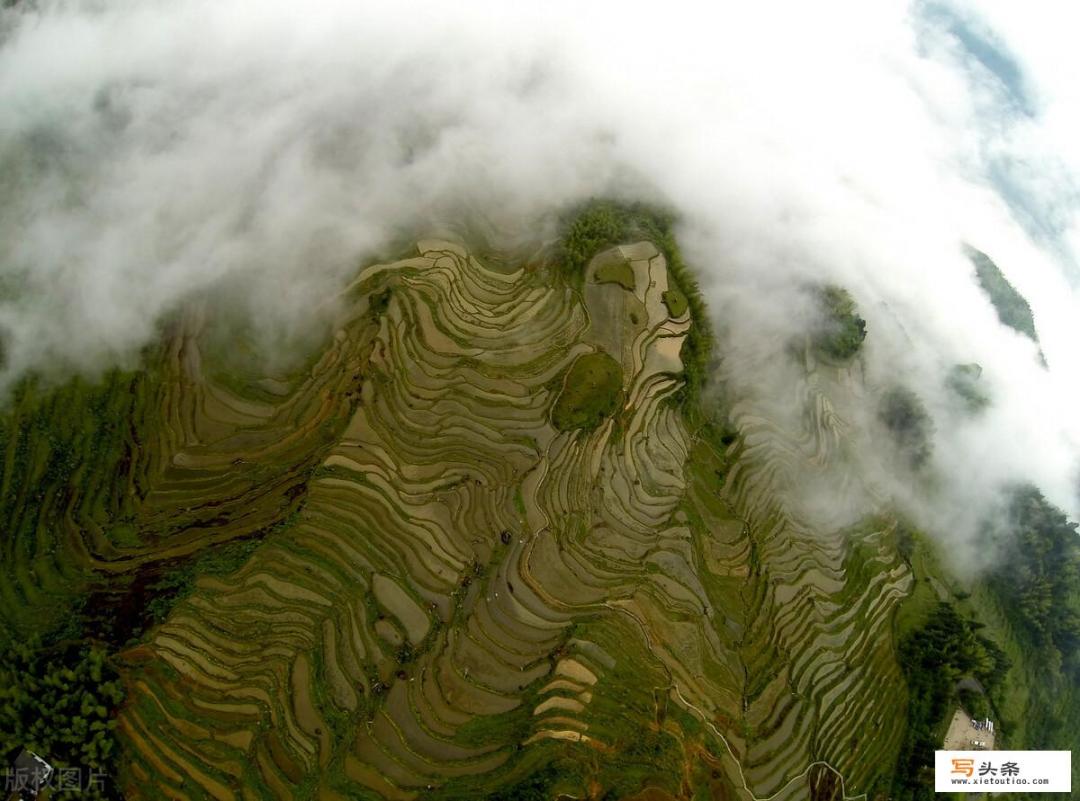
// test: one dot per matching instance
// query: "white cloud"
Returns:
(149, 150)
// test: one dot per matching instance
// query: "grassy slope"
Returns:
(620, 273)
(590, 393)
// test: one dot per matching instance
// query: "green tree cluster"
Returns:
(60, 703)
(934, 658)
(590, 228)
(1011, 307)
(963, 381)
(842, 331)
(1037, 583)
(908, 422)
(600, 223)
(1038, 575)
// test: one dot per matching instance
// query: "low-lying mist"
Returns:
(152, 151)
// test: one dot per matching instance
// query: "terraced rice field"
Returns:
(449, 593)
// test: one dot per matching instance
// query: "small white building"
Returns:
(30, 775)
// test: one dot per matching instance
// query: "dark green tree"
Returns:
(60, 703)
(907, 421)
(841, 331)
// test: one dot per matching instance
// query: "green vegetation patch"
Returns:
(1038, 576)
(175, 582)
(616, 272)
(591, 228)
(909, 424)
(600, 223)
(591, 392)
(842, 331)
(69, 453)
(1027, 608)
(919, 551)
(934, 658)
(676, 301)
(1011, 307)
(963, 381)
(630, 712)
(60, 704)
(1032, 595)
